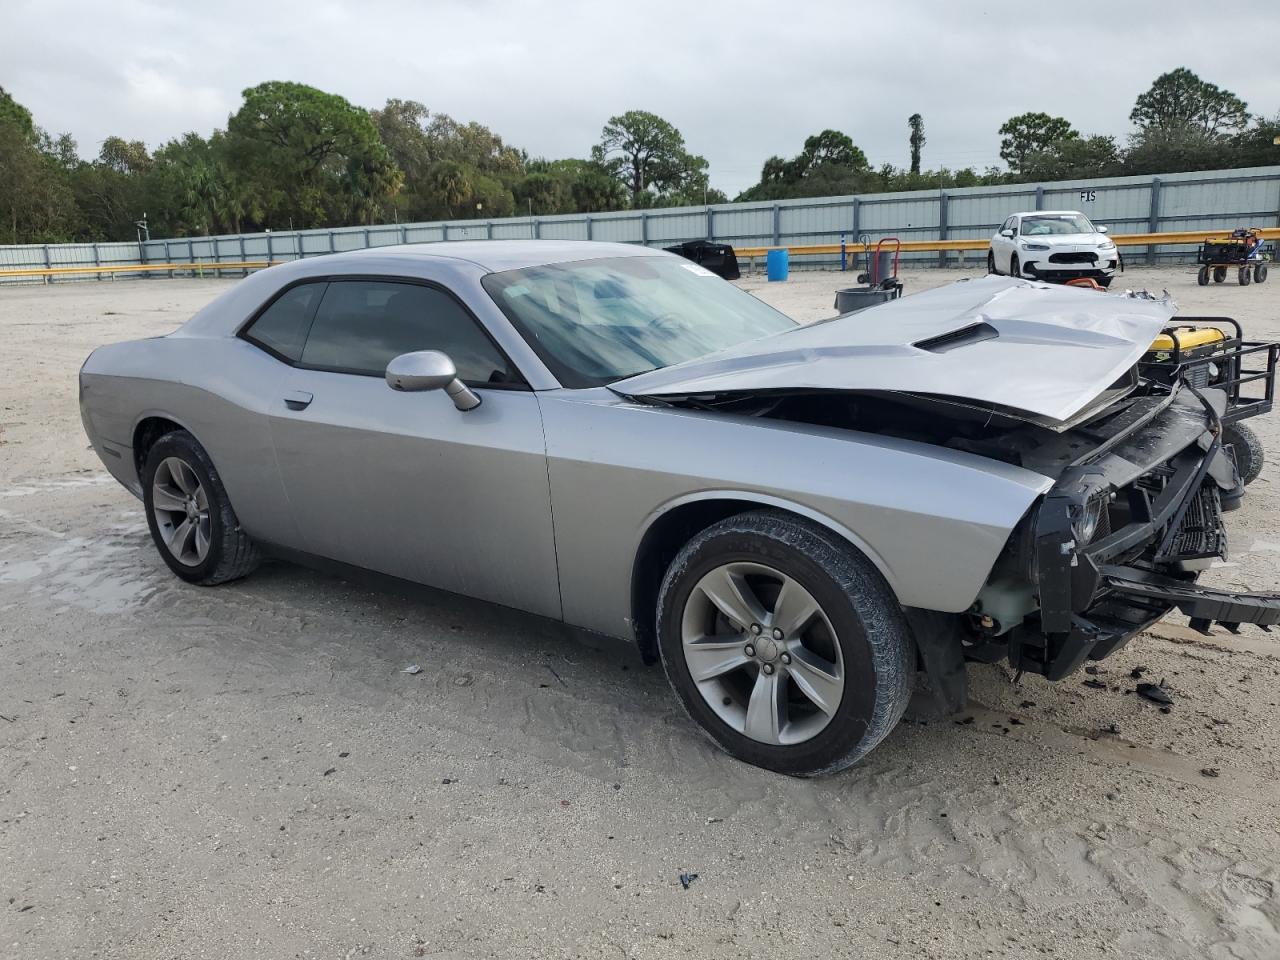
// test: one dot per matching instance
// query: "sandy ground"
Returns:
(246, 772)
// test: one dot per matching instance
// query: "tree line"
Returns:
(1181, 123)
(293, 156)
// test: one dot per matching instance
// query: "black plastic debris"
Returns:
(687, 878)
(1137, 672)
(1209, 772)
(719, 258)
(1155, 693)
(1096, 684)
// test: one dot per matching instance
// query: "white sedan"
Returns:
(1055, 245)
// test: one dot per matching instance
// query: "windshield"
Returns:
(1056, 223)
(596, 321)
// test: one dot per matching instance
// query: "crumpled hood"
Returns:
(1040, 348)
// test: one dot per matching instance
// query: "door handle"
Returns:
(298, 400)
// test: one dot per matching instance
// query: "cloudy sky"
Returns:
(741, 80)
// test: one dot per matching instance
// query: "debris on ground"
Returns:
(711, 820)
(329, 771)
(1155, 693)
(1137, 672)
(1210, 772)
(687, 878)
(1096, 684)
(1025, 704)
(412, 669)
(964, 722)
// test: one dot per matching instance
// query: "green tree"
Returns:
(36, 202)
(449, 182)
(1256, 146)
(915, 123)
(644, 152)
(1173, 149)
(1073, 158)
(15, 115)
(1180, 98)
(1030, 133)
(314, 158)
(830, 164)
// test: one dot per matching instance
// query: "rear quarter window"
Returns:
(282, 328)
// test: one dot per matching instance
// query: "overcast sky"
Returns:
(741, 80)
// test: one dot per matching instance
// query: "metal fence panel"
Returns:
(1203, 200)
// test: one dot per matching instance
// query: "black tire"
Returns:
(869, 627)
(1219, 274)
(1105, 282)
(1260, 273)
(1248, 450)
(1202, 277)
(231, 554)
(991, 262)
(1245, 276)
(1014, 270)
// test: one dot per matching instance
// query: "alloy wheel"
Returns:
(181, 509)
(762, 653)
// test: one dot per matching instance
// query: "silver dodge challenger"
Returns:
(794, 520)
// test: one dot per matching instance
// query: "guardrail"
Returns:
(198, 269)
(1171, 238)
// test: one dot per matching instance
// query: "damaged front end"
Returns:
(1119, 541)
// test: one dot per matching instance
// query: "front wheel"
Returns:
(784, 644)
(991, 262)
(1014, 270)
(192, 523)
(1245, 275)
(1219, 274)
(1260, 273)
(1202, 277)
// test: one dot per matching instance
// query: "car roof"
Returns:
(1048, 213)
(498, 255)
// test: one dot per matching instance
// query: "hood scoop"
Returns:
(974, 333)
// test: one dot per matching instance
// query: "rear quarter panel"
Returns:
(219, 389)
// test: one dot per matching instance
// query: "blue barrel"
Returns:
(777, 264)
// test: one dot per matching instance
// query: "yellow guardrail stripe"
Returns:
(978, 243)
(138, 268)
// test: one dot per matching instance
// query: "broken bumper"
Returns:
(1163, 480)
(1204, 605)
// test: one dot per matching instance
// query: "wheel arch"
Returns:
(674, 524)
(150, 428)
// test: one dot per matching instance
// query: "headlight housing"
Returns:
(1085, 520)
(1035, 246)
(1107, 245)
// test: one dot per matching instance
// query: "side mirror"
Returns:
(1006, 233)
(1101, 229)
(430, 370)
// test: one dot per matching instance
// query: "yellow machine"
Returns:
(1212, 352)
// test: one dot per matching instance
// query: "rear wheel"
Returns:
(784, 644)
(190, 516)
(1245, 275)
(1202, 277)
(1260, 273)
(1219, 274)
(1248, 450)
